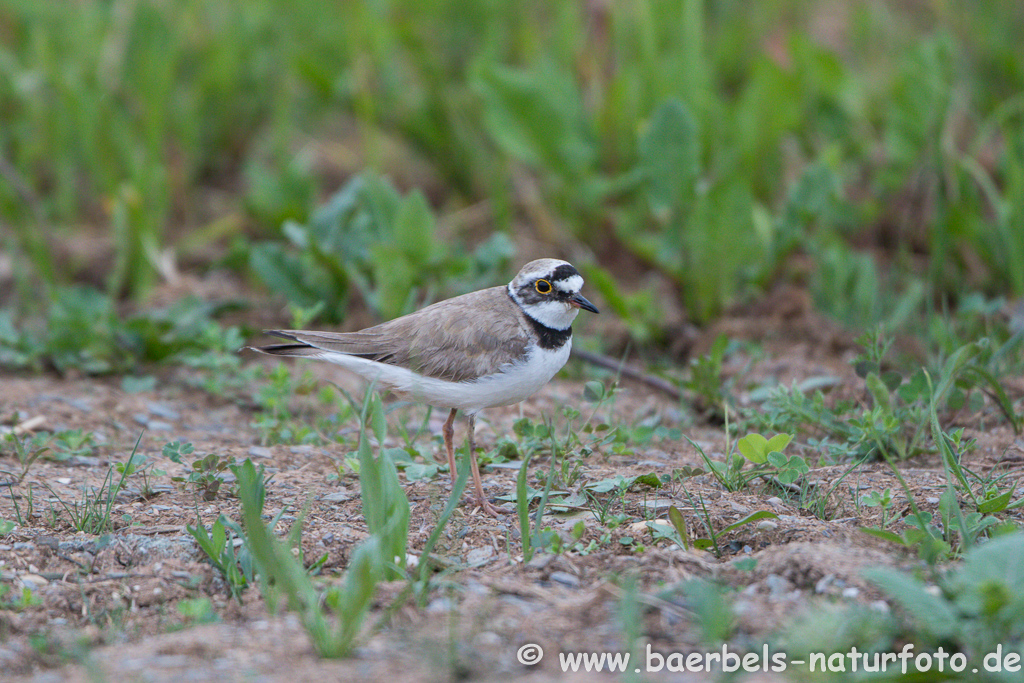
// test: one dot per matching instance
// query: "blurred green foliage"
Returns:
(369, 237)
(711, 140)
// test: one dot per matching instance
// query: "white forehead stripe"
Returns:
(570, 285)
(541, 268)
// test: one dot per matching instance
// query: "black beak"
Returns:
(580, 301)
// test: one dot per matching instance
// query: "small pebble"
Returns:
(161, 410)
(488, 638)
(565, 578)
(479, 556)
(777, 586)
(540, 560)
(440, 605)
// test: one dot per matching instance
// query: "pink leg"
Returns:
(485, 505)
(448, 431)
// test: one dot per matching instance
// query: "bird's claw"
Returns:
(490, 509)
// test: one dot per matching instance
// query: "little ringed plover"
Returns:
(493, 347)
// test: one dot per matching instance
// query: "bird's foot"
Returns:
(486, 506)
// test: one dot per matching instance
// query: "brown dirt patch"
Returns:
(109, 607)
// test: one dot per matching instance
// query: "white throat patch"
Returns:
(557, 315)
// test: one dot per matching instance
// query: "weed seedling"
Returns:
(73, 443)
(276, 564)
(145, 470)
(881, 500)
(26, 456)
(206, 475)
(232, 560)
(91, 515)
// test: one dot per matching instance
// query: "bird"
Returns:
(488, 348)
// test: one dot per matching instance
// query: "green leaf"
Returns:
(997, 504)
(932, 613)
(884, 534)
(753, 517)
(536, 116)
(414, 228)
(282, 272)
(377, 420)
(523, 509)
(669, 153)
(679, 524)
(778, 442)
(753, 447)
(593, 391)
(879, 391)
(650, 479)
(915, 389)
(891, 379)
(360, 587)
(787, 477)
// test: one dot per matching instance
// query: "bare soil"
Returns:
(108, 608)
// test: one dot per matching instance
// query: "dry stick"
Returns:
(628, 371)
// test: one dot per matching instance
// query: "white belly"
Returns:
(514, 383)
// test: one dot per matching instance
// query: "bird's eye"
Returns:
(543, 286)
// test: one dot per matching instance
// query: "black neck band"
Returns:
(548, 337)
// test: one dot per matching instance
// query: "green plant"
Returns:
(275, 421)
(676, 530)
(348, 602)
(385, 505)
(894, 420)
(197, 611)
(206, 474)
(532, 539)
(369, 238)
(91, 515)
(975, 609)
(712, 609)
(879, 499)
(19, 600)
(145, 470)
(710, 390)
(425, 566)
(26, 456)
(766, 456)
(234, 563)
(73, 443)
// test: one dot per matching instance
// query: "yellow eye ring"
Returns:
(542, 286)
